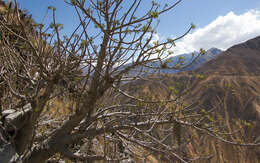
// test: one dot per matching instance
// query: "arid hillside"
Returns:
(228, 87)
(231, 85)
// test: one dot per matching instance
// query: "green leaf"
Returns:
(181, 58)
(154, 14)
(50, 7)
(154, 3)
(158, 50)
(155, 42)
(177, 66)
(179, 85)
(202, 51)
(73, 2)
(193, 26)
(170, 52)
(168, 60)
(83, 43)
(200, 76)
(144, 28)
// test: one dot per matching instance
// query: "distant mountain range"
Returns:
(187, 58)
(209, 55)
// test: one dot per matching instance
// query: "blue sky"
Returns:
(220, 23)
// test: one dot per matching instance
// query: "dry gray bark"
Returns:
(7, 153)
(12, 128)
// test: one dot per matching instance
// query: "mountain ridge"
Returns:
(188, 59)
(240, 59)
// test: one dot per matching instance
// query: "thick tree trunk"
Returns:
(16, 132)
(19, 124)
(41, 153)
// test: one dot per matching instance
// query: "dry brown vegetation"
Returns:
(73, 98)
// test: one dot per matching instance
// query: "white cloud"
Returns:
(222, 33)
